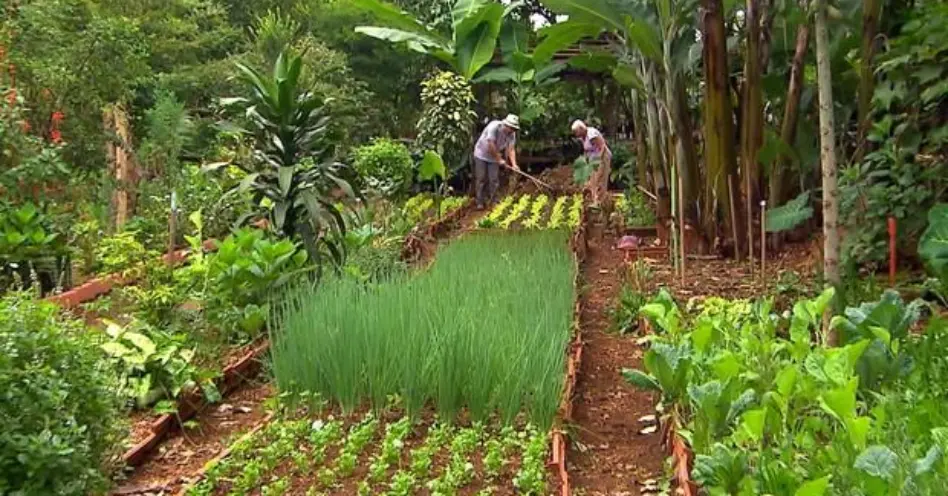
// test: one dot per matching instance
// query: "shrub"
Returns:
(385, 164)
(59, 407)
(447, 120)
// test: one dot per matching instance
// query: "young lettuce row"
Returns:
(768, 411)
(300, 447)
(522, 205)
(536, 212)
(559, 213)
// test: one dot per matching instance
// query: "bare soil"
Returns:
(184, 453)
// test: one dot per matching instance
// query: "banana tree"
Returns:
(529, 71)
(475, 24)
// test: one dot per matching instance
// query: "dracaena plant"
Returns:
(291, 175)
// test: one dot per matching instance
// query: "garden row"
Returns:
(535, 212)
(385, 453)
(161, 331)
(768, 407)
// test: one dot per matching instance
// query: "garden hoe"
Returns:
(528, 176)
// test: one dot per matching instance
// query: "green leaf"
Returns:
(641, 379)
(115, 349)
(628, 76)
(513, 38)
(476, 38)
(561, 36)
(927, 464)
(841, 402)
(858, 429)
(644, 37)
(432, 166)
(753, 423)
(594, 61)
(878, 461)
(142, 342)
(816, 487)
(417, 42)
(790, 215)
(498, 75)
(391, 15)
(598, 12)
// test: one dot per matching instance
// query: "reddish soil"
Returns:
(609, 455)
(184, 453)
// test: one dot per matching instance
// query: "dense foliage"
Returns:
(447, 119)
(386, 166)
(59, 407)
(768, 411)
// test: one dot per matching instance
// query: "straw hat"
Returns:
(512, 121)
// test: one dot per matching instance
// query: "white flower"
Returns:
(318, 425)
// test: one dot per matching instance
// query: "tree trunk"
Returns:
(788, 128)
(654, 138)
(718, 125)
(121, 164)
(827, 153)
(766, 13)
(867, 84)
(688, 155)
(752, 121)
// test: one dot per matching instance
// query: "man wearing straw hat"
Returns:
(495, 148)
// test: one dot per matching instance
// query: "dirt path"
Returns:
(608, 455)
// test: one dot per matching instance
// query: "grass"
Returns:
(485, 328)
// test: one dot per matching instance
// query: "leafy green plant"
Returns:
(386, 165)
(885, 323)
(121, 252)
(61, 412)
(789, 215)
(153, 364)
(291, 175)
(634, 208)
(625, 315)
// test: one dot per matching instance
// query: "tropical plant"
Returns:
(476, 24)
(60, 407)
(153, 364)
(789, 215)
(291, 175)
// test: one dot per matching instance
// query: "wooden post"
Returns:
(893, 251)
(730, 194)
(763, 244)
(750, 222)
(681, 224)
(172, 227)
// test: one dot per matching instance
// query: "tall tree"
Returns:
(718, 125)
(827, 149)
(752, 120)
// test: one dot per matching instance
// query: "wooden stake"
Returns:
(730, 194)
(172, 227)
(750, 221)
(893, 251)
(763, 244)
(681, 227)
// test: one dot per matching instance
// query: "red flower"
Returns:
(58, 117)
(55, 136)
